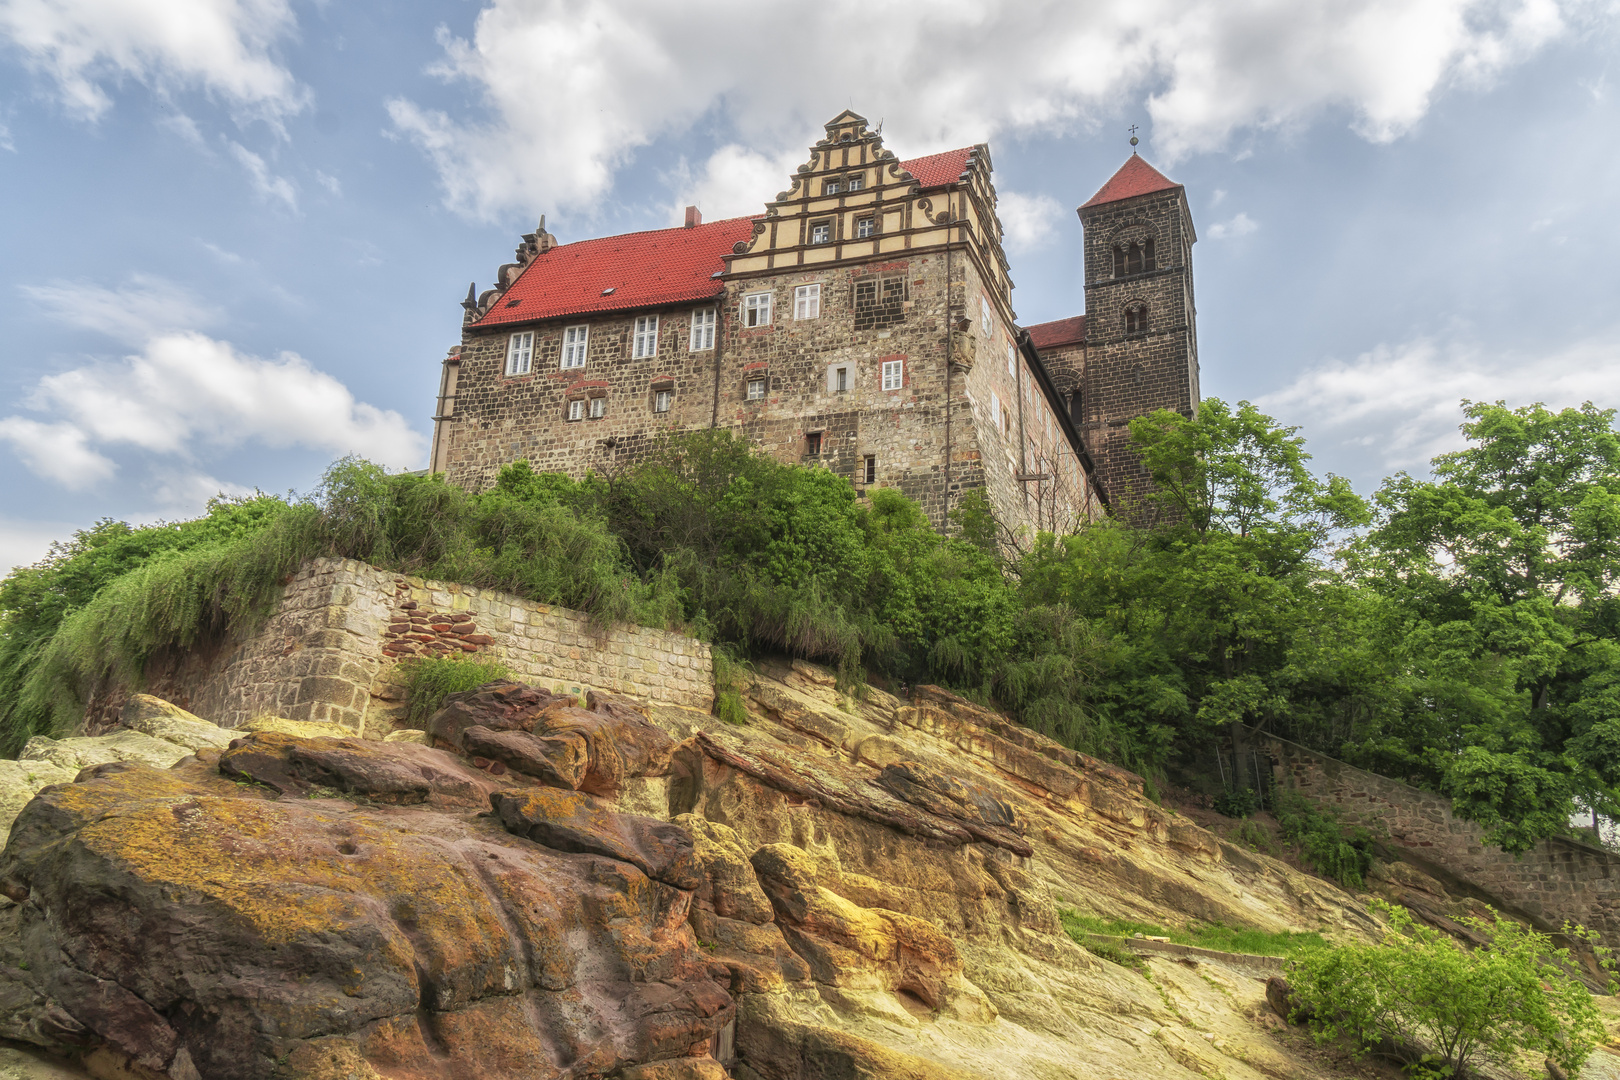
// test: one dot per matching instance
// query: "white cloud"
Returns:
(1399, 404)
(618, 75)
(58, 451)
(5, 138)
(185, 395)
(266, 183)
(23, 543)
(1029, 221)
(1239, 225)
(330, 183)
(225, 47)
(131, 313)
(734, 181)
(189, 491)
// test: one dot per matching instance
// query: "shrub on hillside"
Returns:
(431, 679)
(1452, 1009)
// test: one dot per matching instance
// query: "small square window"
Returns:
(893, 374)
(661, 400)
(757, 309)
(831, 187)
(576, 409)
(573, 349)
(598, 407)
(756, 389)
(812, 444)
(520, 353)
(645, 342)
(865, 227)
(821, 232)
(702, 330)
(869, 469)
(855, 183)
(807, 302)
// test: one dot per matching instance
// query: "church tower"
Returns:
(1140, 328)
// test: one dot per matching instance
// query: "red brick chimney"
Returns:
(694, 217)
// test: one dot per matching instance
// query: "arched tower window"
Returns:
(1134, 257)
(1136, 319)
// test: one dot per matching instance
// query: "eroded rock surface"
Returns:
(838, 889)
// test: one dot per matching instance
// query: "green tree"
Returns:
(1500, 572)
(1452, 1007)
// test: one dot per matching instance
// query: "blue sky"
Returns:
(236, 231)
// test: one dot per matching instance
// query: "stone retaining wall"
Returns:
(327, 651)
(1558, 880)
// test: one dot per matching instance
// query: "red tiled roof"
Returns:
(1135, 177)
(1048, 335)
(937, 170)
(664, 266)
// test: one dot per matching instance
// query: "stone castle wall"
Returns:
(1558, 880)
(327, 651)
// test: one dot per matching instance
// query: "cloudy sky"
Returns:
(235, 232)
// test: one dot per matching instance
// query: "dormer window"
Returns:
(832, 187)
(855, 183)
(1133, 258)
(1136, 319)
(821, 232)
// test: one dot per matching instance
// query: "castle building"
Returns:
(862, 323)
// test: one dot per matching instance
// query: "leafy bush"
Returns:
(429, 680)
(1323, 840)
(1237, 802)
(1459, 1008)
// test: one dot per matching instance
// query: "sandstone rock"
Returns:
(498, 706)
(847, 945)
(204, 930)
(303, 729)
(1280, 996)
(20, 780)
(728, 886)
(678, 1069)
(573, 748)
(403, 774)
(409, 735)
(84, 751)
(575, 821)
(158, 718)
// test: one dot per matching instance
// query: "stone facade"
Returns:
(327, 652)
(1558, 880)
(1130, 369)
(909, 281)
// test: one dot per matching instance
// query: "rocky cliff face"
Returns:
(534, 889)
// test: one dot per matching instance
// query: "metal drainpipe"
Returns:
(719, 323)
(945, 502)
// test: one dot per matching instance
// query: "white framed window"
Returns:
(870, 469)
(702, 330)
(866, 226)
(832, 187)
(520, 353)
(756, 389)
(576, 409)
(1012, 354)
(573, 348)
(995, 409)
(807, 302)
(840, 380)
(598, 408)
(662, 399)
(757, 309)
(856, 183)
(821, 232)
(984, 316)
(645, 342)
(893, 374)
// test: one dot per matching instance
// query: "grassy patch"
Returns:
(1204, 936)
(429, 680)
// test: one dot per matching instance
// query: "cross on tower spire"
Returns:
(1133, 136)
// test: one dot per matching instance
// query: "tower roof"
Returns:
(1135, 177)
